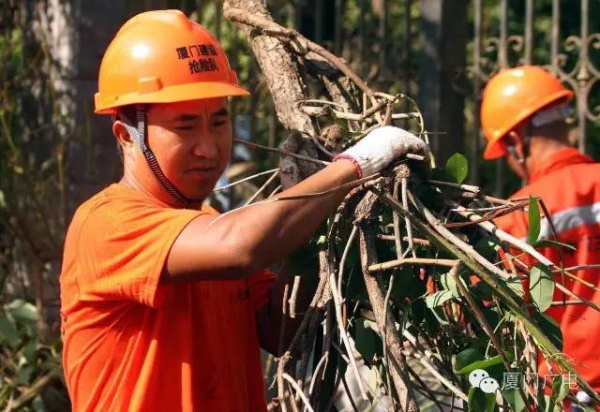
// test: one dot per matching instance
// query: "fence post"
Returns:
(444, 37)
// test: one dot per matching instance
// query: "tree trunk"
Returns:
(285, 83)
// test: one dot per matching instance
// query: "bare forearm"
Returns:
(269, 231)
(244, 241)
(247, 240)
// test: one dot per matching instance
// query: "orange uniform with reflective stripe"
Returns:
(134, 344)
(569, 184)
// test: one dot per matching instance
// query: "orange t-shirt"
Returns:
(132, 343)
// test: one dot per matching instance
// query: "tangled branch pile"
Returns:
(411, 283)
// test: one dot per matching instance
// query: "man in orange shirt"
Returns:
(523, 116)
(164, 302)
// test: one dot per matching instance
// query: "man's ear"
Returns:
(122, 135)
(514, 143)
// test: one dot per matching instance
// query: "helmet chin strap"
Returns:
(138, 134)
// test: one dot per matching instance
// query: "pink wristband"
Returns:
(353, 160)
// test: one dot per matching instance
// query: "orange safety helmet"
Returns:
(514, 95)
(161, 57)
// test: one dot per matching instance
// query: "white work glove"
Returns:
(380, 147)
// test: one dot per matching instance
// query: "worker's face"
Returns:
(192, 143)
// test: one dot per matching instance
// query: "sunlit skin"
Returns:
(543, 143)
(192, 142)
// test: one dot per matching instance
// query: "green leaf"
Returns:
(534, 222)
(491, 402)
(555, 244)
(513, 396)
(488, 247)
(466, 358)
(483, 364)
(23, 311)
(438, 314)
(405, 285)
(449, 283)
(492, 317)
(541, 286)
(432, 322)
(550, 329)
(548, 406)
(356, 289)
(515, 284)
(438, 298)
(457, 167)
(477, 400)
(47, 164)
(367, 342)
(560, 390)
(38, 404)
(8, 332)
(418, 309)
(26, 373)
(30, 350)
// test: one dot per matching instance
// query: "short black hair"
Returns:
(127, 113)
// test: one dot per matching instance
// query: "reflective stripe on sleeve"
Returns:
(570, 219)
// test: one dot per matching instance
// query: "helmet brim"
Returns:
(495, 149)
(171, 94)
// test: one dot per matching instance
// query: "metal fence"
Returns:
(565, 49)
(387, 42)
(582, 74)
(560, 35)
